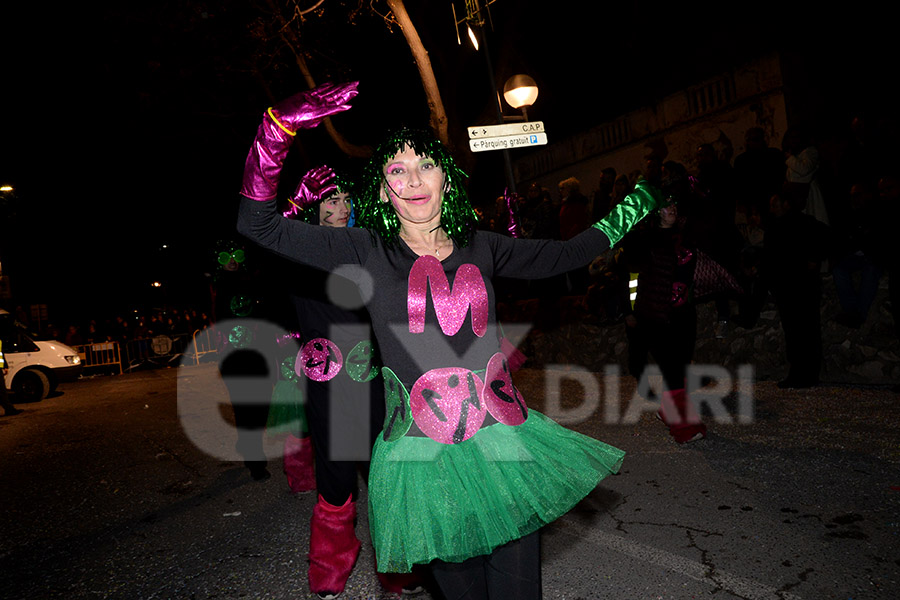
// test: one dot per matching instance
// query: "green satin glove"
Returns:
(635, 206)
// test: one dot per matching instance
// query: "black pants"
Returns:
(799, 308)
(249, 379)
(670, 344)
(344, 418)
(510, 571)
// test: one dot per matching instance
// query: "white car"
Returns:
(35, 367)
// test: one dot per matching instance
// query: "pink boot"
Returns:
(401, 583)
(681, 417)
(333, 547)
(298, 463)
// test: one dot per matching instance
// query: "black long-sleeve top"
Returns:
(464, 332)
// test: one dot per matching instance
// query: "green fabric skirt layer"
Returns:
(429, 500)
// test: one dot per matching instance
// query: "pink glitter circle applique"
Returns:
(446, 404)
(501, 398)
(319, 359)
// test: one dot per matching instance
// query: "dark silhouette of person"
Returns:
(601, 201)
(247, 354)
(795, 246)
(859, 255)
(574, 217)
(758, 171)
(889, 197)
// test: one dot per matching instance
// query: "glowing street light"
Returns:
(472, 37)
(520, 91)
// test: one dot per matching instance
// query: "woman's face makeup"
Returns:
(414, 184)
(334, 211)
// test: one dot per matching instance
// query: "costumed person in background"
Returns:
(287, 415)
(339, 366)
(663, 322)
(246, 364)
(463, 475)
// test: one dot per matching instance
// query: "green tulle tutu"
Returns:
(287, 412)
(429, 500)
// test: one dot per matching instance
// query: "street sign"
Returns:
(508, 142)
(488, 131)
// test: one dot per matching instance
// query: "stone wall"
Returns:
(869, 355)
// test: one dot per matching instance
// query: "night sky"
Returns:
(125, 127)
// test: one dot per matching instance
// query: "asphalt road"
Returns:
(105, 495)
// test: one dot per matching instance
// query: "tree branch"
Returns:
(432, 93)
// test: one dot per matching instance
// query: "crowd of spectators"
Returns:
(171, 322)
(779, 217)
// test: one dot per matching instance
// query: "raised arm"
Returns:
(258, 219)
(537, 259)
(280, 124)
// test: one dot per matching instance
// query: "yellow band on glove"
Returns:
(283, 128)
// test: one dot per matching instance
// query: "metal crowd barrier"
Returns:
(102, 354)
(201, 344)
(159, 350)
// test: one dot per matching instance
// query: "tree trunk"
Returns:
(432, 93)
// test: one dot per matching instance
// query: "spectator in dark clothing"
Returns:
(74, 337)
(574, 217)
(621, 188)
(889, 197)
(795, 246)
(601, 201)
(758, 171)
(246, 353)
(607, 295)
(858, 256)
(539, 218)
(714, 216)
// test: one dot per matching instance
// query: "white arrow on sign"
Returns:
(508, 142)
(486, 131)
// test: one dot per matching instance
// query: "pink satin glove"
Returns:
(315, 186)
(280, 124)
(512, 205)
(307, 109)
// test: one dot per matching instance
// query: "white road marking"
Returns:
(740, 586)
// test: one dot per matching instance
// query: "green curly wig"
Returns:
(458, 218)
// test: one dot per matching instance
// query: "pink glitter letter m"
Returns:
(451, 308)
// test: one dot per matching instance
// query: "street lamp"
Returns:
(520, 91)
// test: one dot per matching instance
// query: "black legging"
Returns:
(344, 418)
(670, 344)
(248, 376)
(510, 571)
